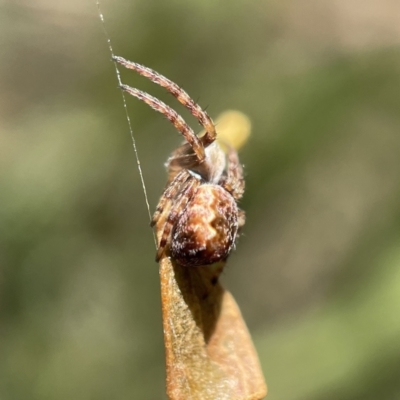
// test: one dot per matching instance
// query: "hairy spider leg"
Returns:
(233, 182)
(201, 115)
(170, 193)
(241, 218)
(182, 199)
(172, 116)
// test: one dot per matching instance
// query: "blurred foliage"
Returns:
(316, 272)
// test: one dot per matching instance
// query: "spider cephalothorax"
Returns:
(198, 210)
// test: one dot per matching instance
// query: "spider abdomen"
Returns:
(206, 230)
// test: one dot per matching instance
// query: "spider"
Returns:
(198, 211)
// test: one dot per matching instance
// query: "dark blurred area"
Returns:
(316, 272)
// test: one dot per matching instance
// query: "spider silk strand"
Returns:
(101, 16)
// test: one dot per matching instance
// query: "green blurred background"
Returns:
(316, 272)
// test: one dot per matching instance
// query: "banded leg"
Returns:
(169, 193)
(172, 116)
(233, 182)
(183, 98)
(184, 196)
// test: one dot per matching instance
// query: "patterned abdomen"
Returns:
(207, 228)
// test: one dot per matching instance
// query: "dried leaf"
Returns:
(209, 352)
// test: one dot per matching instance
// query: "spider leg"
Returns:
(170, 193)
(241, 218)
(203, 118)
(233, 182)
(172, 116)
(182, 199)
